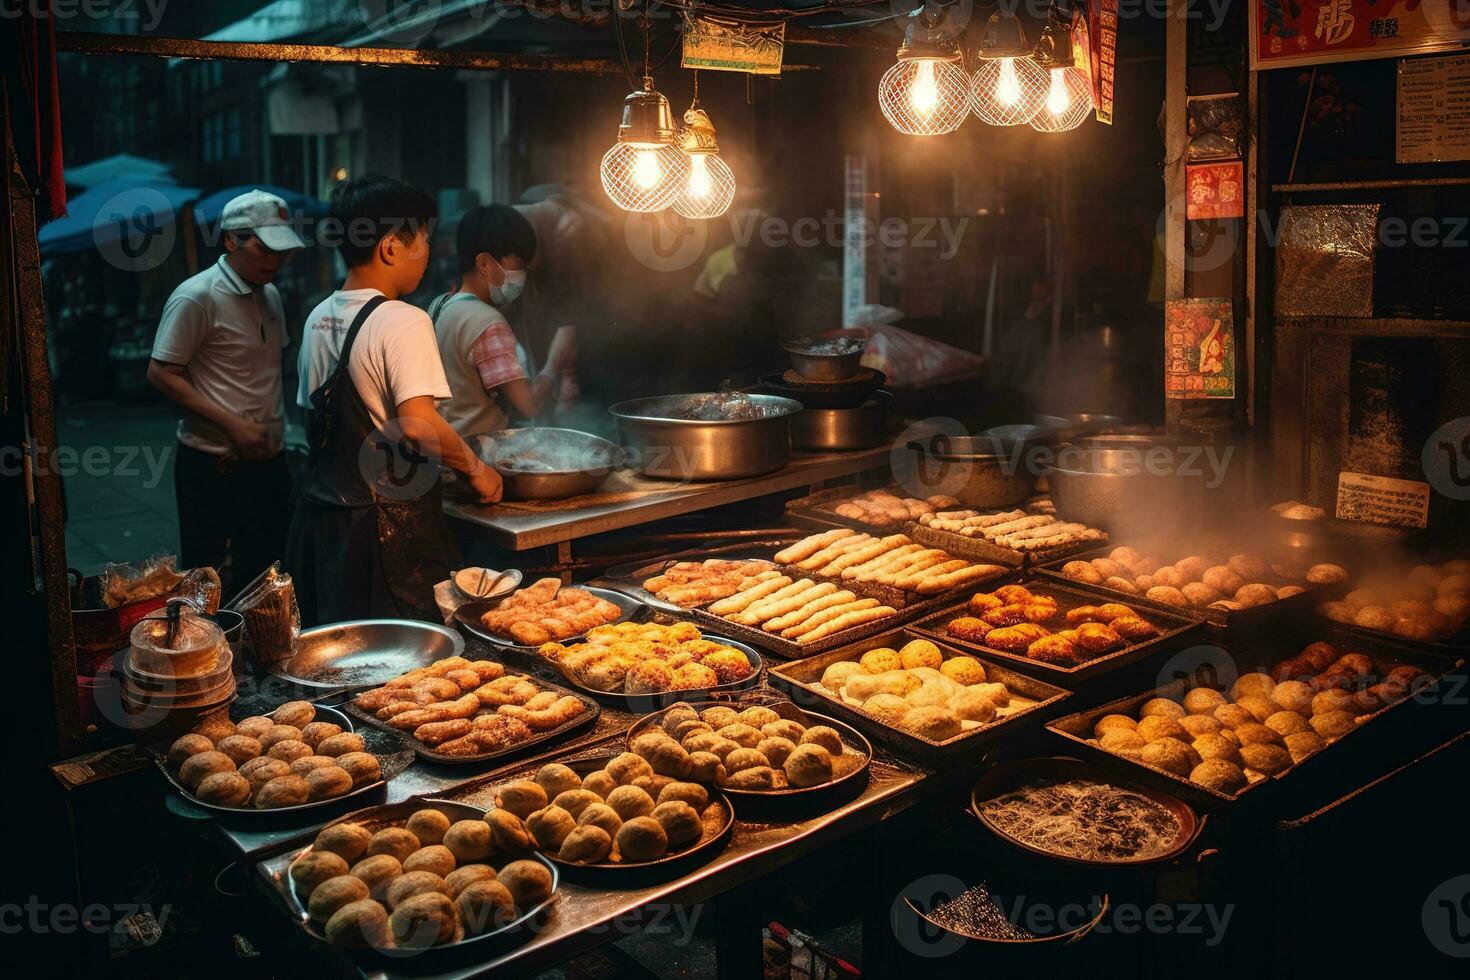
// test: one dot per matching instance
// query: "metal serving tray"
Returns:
(800, 679)
(468, 617)
(1175, 631)
(367, 652)
(426, 751)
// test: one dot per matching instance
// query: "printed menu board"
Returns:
(1433, 110)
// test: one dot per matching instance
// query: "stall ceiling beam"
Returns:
(84, 42)
(1371, 185)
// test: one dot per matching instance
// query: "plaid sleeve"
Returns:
(494, 356)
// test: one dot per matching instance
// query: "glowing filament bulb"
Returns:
(699, 182)
(1008, 86)
(924, 96)
(646, 171)
(1058, 99)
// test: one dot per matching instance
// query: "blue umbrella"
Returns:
(130, 216)
(208, 209)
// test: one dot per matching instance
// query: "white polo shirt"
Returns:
(394, 358)
(229, 335)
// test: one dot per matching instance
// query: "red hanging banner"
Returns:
(1312, 32)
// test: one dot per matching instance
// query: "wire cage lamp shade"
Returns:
(1068, 101)
(924, 96)
(708, 190)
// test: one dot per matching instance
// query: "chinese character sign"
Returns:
(1199, 349)
(1214, 190)
(1307, 32)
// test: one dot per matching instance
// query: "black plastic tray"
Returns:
(468, 617)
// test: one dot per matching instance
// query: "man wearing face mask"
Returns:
(486, 376)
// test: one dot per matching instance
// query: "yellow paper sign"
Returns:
(728, 45)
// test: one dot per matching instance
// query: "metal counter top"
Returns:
(519, 530)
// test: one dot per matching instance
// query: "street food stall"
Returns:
(924, 631)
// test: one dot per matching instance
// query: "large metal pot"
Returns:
(550, 464)
(975, 470)
(671, 436)
(1096, 481)
(838, 429)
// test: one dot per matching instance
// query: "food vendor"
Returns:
(368, 536)
(487, 378)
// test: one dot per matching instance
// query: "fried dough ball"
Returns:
(1155, 727)
(1331, 700)
(1254, 733)
(1233, 715)
(240, 748)
(462, 877)
(1168, 577)
(1197, 725)
(1303, 744)
(680, 823)
(963, 670)
(1327, 574)
(1217, 747)
(627, 767)
(358, 924)
(278, 733)
(705, 767)
(587, 844)
(1162, 707)
(1222, 579)
(1200, 594)
(363, 767)
(434, 858)
(305, 764)
(920, 653)
(427, 919)
(1269, 759)
(931, 722)
(508, 832)
(1203, 701)
(428, 825)
(757, 716)
(1171, 755)
(1375, 618)
(720, 715)
(282, 791)
(879, 660)
(469, 841)
(1253, 683)
(484, 905)
(784, 728)
(825, 736)
(555, 778)
(1286, 723)
(377, 872)
(255, 726)
(1255, 594)
(574, 801)
(972, 705)
(809, 765)
(1248, 567)
(289, 750)
(396, 842)
(330, 895)
(755, 778)
(190, 745)
(297, 714)
(1260, 708)
(1333, 724)
(328, 782)
(1122, 741)
(412, 883)
(599, 783)
(1082, 571)
(224, 789)
(522, 798)
(642, 839)
(999, 694)
(835, 676)
(349, 841)
(341, 744)
(316, 732)
(630, 802)
(1113, 722)
(776, 749)
(1220, 775)
(601, 815)
(200, 765)
(1292, 696)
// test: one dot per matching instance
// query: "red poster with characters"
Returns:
(1311, 32)
(1214, 190)
(1199, 348)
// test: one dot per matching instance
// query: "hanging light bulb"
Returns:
(709, 189)
(1069, 88)
(1009, 88)
(925, 94)
(644, 170)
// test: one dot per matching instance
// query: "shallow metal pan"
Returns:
(468, 617)
(643, 703)
(367, 652)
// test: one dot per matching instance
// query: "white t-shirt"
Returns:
(394, 358)
(229, 335)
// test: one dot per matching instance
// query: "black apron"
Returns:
(368, 537)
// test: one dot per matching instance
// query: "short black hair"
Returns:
(497, 229)
(372, 206)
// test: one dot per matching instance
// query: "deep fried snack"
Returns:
(1015, 639)
(436, 732)
(1097, 638)
(969, 628)
(1055, 649)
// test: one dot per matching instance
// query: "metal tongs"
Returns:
(173, 614)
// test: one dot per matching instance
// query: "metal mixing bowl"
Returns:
(578, 462)
(817, 366)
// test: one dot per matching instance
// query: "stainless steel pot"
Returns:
(576, 462)
(1098, 481)
(814, 365)
(837, 429)
(973, 470)
(662, 440)
(1080, 424)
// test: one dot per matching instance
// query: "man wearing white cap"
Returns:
(217, 355)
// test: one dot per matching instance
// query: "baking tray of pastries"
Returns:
(550, 614)
(1428, 603)
(1043, 627)
(893, 568)
(774, 729)
(887, 687)
(1229, 727)
(609, 815)
(879, 512)
(1237, 592)
(293, 741)
(492, 714)
(1024, 536)
(433, 862)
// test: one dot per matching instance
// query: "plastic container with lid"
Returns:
(198, 648)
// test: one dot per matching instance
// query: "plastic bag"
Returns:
(272, 619)
(201, 586)
(906, 359)
(123, 584)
